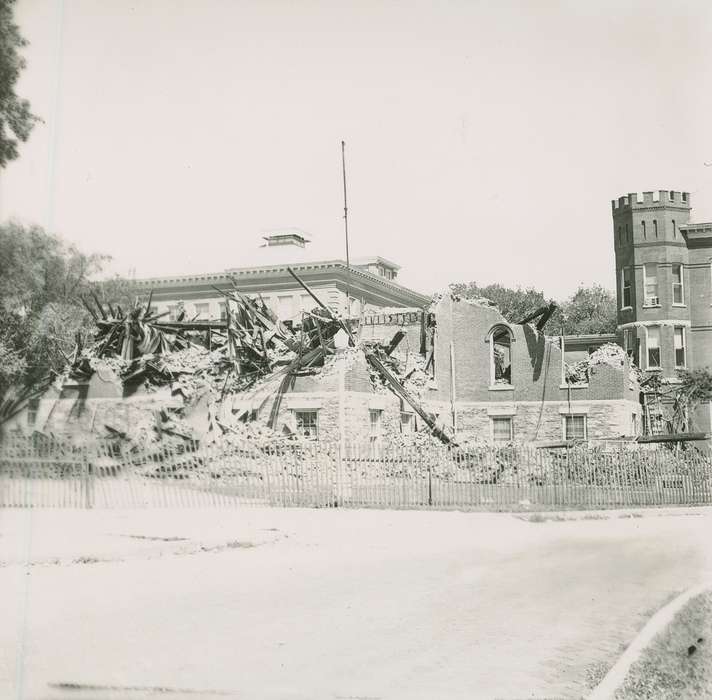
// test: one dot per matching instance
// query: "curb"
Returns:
(659, 621)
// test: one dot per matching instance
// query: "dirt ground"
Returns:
(297, 603)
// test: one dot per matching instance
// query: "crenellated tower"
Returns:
(653, 278)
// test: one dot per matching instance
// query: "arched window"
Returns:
(500, 340)
(645, 235)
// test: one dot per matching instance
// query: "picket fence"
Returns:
(48, 473)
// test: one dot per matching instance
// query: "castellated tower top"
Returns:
(652, 199)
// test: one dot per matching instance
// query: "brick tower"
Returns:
(652, 278)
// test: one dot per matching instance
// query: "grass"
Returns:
(678, 663)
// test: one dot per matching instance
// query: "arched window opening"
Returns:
(501, 356)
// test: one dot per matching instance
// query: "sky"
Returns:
(484, 140)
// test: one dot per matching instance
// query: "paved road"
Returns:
(349, 604)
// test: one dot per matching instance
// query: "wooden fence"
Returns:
(47, 473)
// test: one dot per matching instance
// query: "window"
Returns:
(679, 342)
(634, 424)
(674, 229)
(684, 196)
(575, 427)
(307, 423)
(678, 292)
(620, 236)
(655, 227)
(650, 279)
(502, 429)
(285, 307)
(672, 196)
(653, 346)
(202, 312)
(645, 234)
(501, 356)
(625, 286)
(223, 310)
(407, 423)
(627, 233)
(173, 312)
(33, 406)
(374, 416)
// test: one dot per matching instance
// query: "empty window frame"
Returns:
(652, 342)
(679, 343)
(502, 429)
(575, 427)
(627, 233)
(650, 283)
(674, 229)
(223, 310)
(307, 423)
(501, 356)
(645, 233)
(678, 288)
(626, 297)
(655, 227)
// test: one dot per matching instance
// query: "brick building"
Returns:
(664, 273)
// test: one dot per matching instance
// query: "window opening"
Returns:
(502, 429)
(653, 343)
(502, 356)
(575, 427)
(307, 423)
(678, 296)
(679, 346)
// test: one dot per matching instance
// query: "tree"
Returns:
(589, 310)
(16, 119)
(42, 279)
(37, 268)
(514, 304)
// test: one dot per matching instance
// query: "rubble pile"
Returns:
(221, 375)
(609, 354)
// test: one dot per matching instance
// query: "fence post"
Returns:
(87, 471)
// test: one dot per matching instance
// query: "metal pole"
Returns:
(346, 230)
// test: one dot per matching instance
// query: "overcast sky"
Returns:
(485, 140)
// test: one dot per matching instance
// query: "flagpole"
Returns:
(346, 231)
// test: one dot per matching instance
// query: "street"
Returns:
(330, 603)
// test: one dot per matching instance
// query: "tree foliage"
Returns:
(589, 310)
(16, 118)
(42, 279)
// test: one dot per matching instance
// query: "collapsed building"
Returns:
(455, 372)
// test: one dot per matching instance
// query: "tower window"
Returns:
(655, 227)
(645, 234)
(679, 346)
(620, 236)
(674, 229)
(653, 346)
(650, 282)
(627, 233)
(672, 196)
(625, 288)
(629, 343)
(678, 290)
(500, 356)
(684, 196)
